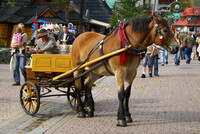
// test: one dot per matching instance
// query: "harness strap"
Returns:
(101, 54)
(123, 39)
(124, 43)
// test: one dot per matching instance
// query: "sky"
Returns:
(110, 3)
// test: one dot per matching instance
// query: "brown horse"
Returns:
(140, 33)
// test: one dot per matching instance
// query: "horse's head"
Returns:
(162, 36)
(142, 32)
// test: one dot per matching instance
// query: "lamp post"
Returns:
(196, 18)
(177, 6)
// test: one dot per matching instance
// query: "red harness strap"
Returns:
(122, 37)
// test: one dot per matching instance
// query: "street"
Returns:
(168, 104)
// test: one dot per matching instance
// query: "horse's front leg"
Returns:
(128, 82)
(119, 76)
(126, 104)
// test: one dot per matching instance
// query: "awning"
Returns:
(53, 20)
(107, 25)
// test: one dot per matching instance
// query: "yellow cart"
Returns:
(42, 68)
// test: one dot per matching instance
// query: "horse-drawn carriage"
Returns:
(48, 72)
(93, 56)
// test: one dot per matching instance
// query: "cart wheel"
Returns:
(30, 98)
(72, 99)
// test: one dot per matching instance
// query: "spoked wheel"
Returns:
(72, 98)
(30, 98)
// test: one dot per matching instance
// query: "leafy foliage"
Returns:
(8, 3)
(60, 2)
(125, 9)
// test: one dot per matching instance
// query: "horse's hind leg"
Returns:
(88, 86)
(78, 88)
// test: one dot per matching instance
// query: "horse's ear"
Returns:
(156, 19)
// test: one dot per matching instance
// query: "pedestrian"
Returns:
(182, 37)
(46, 44)
(148, 60)
(93, 30)
(163, 56)
(155, 60)
(35, 39)
(55, 31)
(189, 42)
(198, 48)
(66, 37)
(19, 60)
(177, 55)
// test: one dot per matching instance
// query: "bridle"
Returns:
(127, 37)
(161, 36)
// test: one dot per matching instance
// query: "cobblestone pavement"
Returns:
(168, 104)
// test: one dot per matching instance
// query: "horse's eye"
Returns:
(165, 30)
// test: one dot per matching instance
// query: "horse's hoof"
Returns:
(121, 123)
(128, 119)
(90, 114)
(81, 115)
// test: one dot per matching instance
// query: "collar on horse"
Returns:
(124, 43)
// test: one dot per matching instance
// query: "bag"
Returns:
(11, 63)
(198, 41)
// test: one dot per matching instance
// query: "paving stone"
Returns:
(168, 104)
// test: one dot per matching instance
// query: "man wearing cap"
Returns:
(66, 37)
(188, 44)
(46, 44)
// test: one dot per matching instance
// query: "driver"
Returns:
(46, 44)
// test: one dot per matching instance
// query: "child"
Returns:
(17, 38)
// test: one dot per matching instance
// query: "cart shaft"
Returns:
(91, 62)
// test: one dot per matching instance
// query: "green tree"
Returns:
(8, 3)
(125, 9)
(196, 3)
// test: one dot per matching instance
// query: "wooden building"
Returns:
(189, 21)
(96, 15)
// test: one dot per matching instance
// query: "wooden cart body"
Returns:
(42, 68)
(47, 66)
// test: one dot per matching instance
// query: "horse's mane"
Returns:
(140, 24)
(164, 22)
